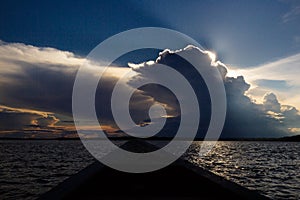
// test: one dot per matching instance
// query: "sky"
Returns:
(44, 42)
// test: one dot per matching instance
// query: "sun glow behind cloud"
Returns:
(47, 76)
(212, 56)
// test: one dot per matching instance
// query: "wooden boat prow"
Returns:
(180, 180)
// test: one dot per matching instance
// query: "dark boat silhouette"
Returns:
(180, 180)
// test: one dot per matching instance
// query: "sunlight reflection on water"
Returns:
(272, 168)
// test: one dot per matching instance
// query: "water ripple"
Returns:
(271, 168)
(30, 168)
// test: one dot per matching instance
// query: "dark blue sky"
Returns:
(242, 33)
(36, 84)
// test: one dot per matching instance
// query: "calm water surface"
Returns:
(30, 168)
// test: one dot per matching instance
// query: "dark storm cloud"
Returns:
(17, 122)
(39, 87)
(244, 118)
(40, 80)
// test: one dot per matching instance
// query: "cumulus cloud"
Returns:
(42, 79)
(36, 87)
(280, 76)
(14, 118)
(271, 103)
(174, 60)
(245, 117)
(36, 77)
(19, 122)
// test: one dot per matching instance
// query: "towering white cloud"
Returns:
(36, 90)
(245, 117)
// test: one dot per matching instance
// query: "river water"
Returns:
(28, 168)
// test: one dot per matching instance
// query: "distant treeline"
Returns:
(295, 138)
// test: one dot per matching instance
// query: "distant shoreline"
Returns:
(286, 139)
